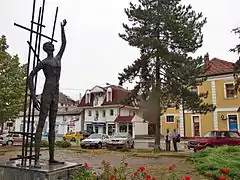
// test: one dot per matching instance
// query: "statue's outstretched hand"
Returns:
(36, 104)
(64, 23)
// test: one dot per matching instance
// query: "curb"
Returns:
(159, 155)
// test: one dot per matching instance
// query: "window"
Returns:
(194, 89)
(230, 90)
(87, 100)
(96, 112)
(134, 113)
(97, 115)
(111, 112)
(104, 113)
(89, 113)
(234, 135)
(170, 119)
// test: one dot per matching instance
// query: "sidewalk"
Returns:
(152, 141)
(149, 144)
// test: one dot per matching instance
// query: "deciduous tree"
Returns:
(12, 83)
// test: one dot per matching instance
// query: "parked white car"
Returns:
(95, 140)
(121, 140)
(11, 139)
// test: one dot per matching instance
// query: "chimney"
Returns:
(206, 58)
(80, 97)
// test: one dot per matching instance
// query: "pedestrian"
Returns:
(175, 140)
(168, 140)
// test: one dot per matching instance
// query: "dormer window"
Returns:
(109, 95)
(87, 100)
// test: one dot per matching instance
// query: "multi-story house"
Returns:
(220, 87)
(105, 112)
(68, 117)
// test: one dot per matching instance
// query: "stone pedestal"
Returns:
(12, 171)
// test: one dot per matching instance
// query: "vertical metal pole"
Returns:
(54, 25)
(26, 88)
(38, 53)
(34, 64)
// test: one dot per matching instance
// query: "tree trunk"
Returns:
(2, 126)
(158, 106)
(183, 111)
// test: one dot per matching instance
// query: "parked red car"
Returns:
(215, 138)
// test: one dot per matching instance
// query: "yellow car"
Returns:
(73, 136)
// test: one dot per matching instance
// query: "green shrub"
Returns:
(63, 144)
(211, 160)
(44, 143)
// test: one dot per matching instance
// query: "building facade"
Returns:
(104, 112)
(220, 88)
(68, 118)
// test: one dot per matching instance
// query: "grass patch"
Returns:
(155, 154)
(211, 160)
(63, 144)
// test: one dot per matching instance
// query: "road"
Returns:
(143, 144)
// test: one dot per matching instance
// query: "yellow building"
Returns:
(220, 87)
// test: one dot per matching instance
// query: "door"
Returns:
(232, 121)
(196, 125)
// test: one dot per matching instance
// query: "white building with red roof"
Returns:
(103, 111)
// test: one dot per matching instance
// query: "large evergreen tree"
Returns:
(236, 66)
(12, 83)
(165, 31)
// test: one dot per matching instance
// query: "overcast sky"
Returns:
(95, 54)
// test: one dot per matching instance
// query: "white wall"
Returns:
(108, 117)
(140, 127)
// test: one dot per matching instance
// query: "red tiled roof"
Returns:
(118, 95)
(218, 67)
(124, 118)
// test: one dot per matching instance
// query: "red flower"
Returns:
(171, 167)
(135, 173)
(222, 178)
(153, 178)
(86, 165)
(224, 171)
(112, 178)
(186, 178)
(126, 164)
(142, 168)
(209, 175)
(148, 177)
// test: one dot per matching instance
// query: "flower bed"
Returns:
(218, 163)
(108, 172)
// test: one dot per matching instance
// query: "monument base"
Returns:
(12, 171)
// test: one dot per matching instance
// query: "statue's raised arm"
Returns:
(63, 46)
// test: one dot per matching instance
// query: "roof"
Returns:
(124, 118)
(63, 99)
(218, 67)
(67, 110)
(118, 95)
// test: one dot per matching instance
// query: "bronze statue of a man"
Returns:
(51, 67)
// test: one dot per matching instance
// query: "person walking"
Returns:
(175, 140)
(168, 140)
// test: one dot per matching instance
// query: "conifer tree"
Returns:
(12, 83)
(236, 66)
(165, 31)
